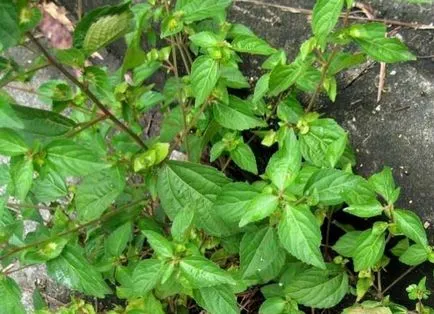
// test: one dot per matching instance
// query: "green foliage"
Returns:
(164, 235)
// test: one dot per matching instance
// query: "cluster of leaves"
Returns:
(116, 216)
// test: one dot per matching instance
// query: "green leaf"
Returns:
(159, 244)
(261, 88)
(238, 115)
(70, 158)
(284, 76)
(204, 77)
(202, 273)
(75, 272)
(389, 50)
(21, 176)
(410, 225)
(347, 244)
(205, 39)
(344, 60)
(233, 78)
(145, 276)
(172, 124)
(217, 300)
(384, 185)
(11, 143)
(365, 210)
(9, 28)
(106, 30)
(171, 25)
(400, 247)
(145, 71)
(259, 208)
(33, 123)
(149, 100)
(325, 16)
(275, 305)
(331, 186)
(258, 249)
(197, 10)
(319, 288)
(324, 143)
(252, 44)
(97, 191)
(300, 235)
(49, 187)
(182, 223)
(416, 254)
(233, 201)
(182, 184)
(217, 150)
(244, 158)
(4, 174)
(73, 57)
(369, 250)
(117, 240)
(55, 90)
(290, 110)
(284, 165)
(10, 293)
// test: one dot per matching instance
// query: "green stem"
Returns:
(87, 92)
(73, 230)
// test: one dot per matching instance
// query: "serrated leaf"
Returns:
(324, 18)
(205, 39)
(9, 28)
(148, 100)
(365, 210)
(415, 254)
(300, 235)
(275, 305)
(384, 184)
(49, 187)
(258, 249)
(10, 293)
(172, 124)
(21, 176)
(369, 249)
(233, 78)
(197, 10)
(400, 247)
(11, 143)
(389, 50)
(204, 77)
(33, 123)
(331, 186)
(244, 158)
(106, 30)
(252, 44)
(347, 244)
(323, 145)
(159, 244)
(290, 110)
(233, 201)
(145, 276)
(182, 184)
(284, 165)
(344, 61)
(259, 208)
(117, 240)
(202, 273)
(237, 115)
(97, 191)
(182, 223)
(70, 158)
(217, 300)
(284, 76)
(410, 225)
(75, 272)
(261, 87)
(319, 288)
(73, 57)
